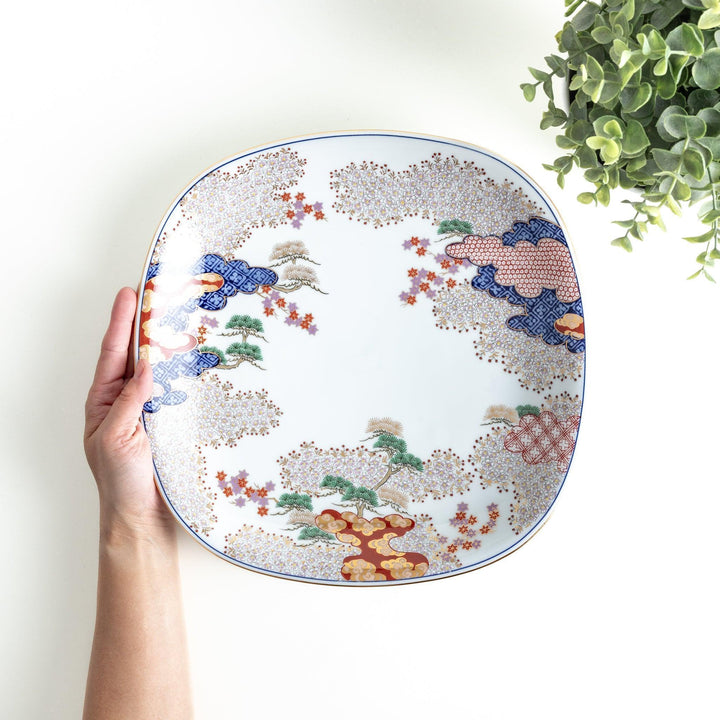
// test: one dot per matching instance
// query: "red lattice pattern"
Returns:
(543, 438)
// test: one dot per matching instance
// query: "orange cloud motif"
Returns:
(527, 267)
(572, 325)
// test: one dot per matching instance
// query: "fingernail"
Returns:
(140, 367)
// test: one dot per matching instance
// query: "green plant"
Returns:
(644, 110)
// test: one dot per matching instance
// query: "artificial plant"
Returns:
(643, 111)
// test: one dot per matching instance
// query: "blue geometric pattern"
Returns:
(238, 277)
(541, 311)
(188, 364)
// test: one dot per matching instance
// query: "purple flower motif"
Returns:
(422, 273)
(289, 321)
(299, 204)
(453, 269)
(442, 539)
(267, 302)
(455, 522)
(492, 507)
(222, 484)
(462, 507)
(296, 223)
(261, 501)
(492, 523)
(404, 296)
(312, 329)
(441, 257)
(471, 533)
(300, 215)
(234, 485)
(407, 245)
(477, 543)
(269, 485)
(430, 293)
(239, 501)
(275, 295)
(292, 307)
(208, 321)
(424, 242)
(438, 281)
(317, 207)
(253, 496)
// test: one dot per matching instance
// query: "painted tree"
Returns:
(296, 277)
(239, 353)
(290, 251)
(245, 326)
(454, 228)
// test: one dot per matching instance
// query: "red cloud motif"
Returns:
(528, 267)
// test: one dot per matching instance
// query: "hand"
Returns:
(116, 445)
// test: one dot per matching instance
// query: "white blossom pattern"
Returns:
(225, 206)
(438, 189)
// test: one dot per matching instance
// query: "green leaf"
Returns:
(653, 44)
(666, 87)
(594, 68)
(634, 97)
(539, 75)
(585, 18)
(711, 117)
(609, 149)
(664, 118)
(666, 160)
(686, 38)
(661, 66)
(623, 242)
(566, 143)
(701, 238)
(709, 19)
(635, 139)
(706, 69)
(603, 195)
(710, 216)
(603, 35)
(586, 198)
(712, 144)
(613, 129)
(681, 191)
(683, 126)
(694, 163)
(528, 90)
(665, 12)
(557, 64)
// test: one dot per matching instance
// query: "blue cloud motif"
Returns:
(239, 277)
(541, 311)
(188, 364)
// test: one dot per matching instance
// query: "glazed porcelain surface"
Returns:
(368, 358)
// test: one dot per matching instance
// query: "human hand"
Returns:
(116, 445)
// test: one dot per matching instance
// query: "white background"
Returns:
(109, 110)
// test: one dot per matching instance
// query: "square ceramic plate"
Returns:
(368, 354)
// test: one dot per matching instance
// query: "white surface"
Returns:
(109, 110)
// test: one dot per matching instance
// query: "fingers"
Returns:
(114, 351)
(122, 419)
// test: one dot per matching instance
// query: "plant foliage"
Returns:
(644, 110)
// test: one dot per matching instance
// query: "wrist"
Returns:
(120, 530)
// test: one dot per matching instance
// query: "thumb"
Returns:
(122, 420)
